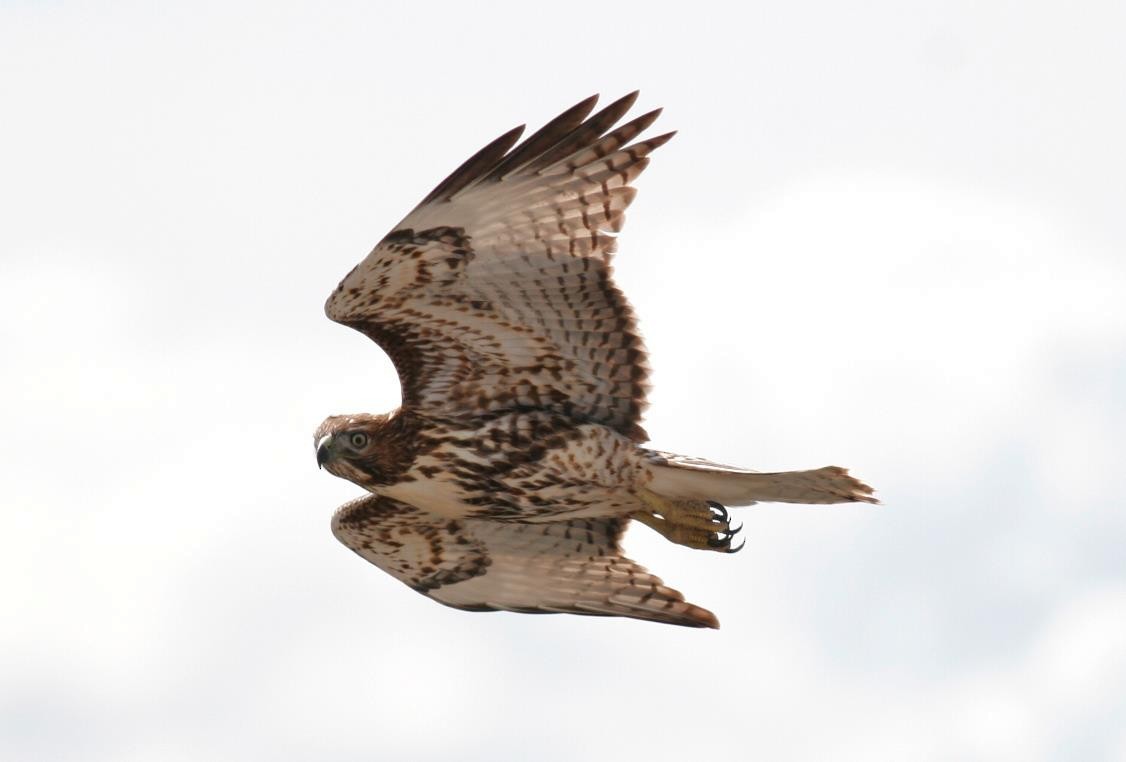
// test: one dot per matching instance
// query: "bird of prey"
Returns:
(508, 475)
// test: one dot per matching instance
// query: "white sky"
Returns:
(887, 237)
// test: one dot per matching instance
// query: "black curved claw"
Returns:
(720, 510)
(722, 540)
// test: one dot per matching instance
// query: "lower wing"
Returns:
(573, 567)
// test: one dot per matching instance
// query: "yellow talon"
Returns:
(691, 523)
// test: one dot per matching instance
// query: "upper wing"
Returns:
(495, 293)
(561, 567)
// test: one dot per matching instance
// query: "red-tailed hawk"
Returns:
(508, 475)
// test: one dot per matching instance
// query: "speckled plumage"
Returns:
(508, 475)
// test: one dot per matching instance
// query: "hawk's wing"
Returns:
(571, 567)
(495, 294)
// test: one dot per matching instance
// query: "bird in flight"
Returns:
(508, 475)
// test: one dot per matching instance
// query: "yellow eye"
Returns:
(358, 440)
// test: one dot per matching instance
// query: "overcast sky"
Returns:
(888, 237)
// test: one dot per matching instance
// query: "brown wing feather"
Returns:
(495, 294)
(573, 567)
(589, 131)
(544, 138)
(473, 167)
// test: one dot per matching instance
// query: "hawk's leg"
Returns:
(700, 524)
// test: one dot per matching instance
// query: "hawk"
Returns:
(508, 475)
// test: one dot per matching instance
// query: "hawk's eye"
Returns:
(358, 440)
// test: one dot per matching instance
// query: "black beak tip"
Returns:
(322, 456)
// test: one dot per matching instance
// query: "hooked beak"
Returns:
(324, 452)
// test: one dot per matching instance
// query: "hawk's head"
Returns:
(362, 448)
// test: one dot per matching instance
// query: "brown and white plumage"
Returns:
(494, 294)
(506, 478)
(573, 567)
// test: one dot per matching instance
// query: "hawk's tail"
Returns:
(682, 478)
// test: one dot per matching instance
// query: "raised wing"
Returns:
(573, 567)
(495, 293)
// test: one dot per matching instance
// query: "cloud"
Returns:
(851, 254)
